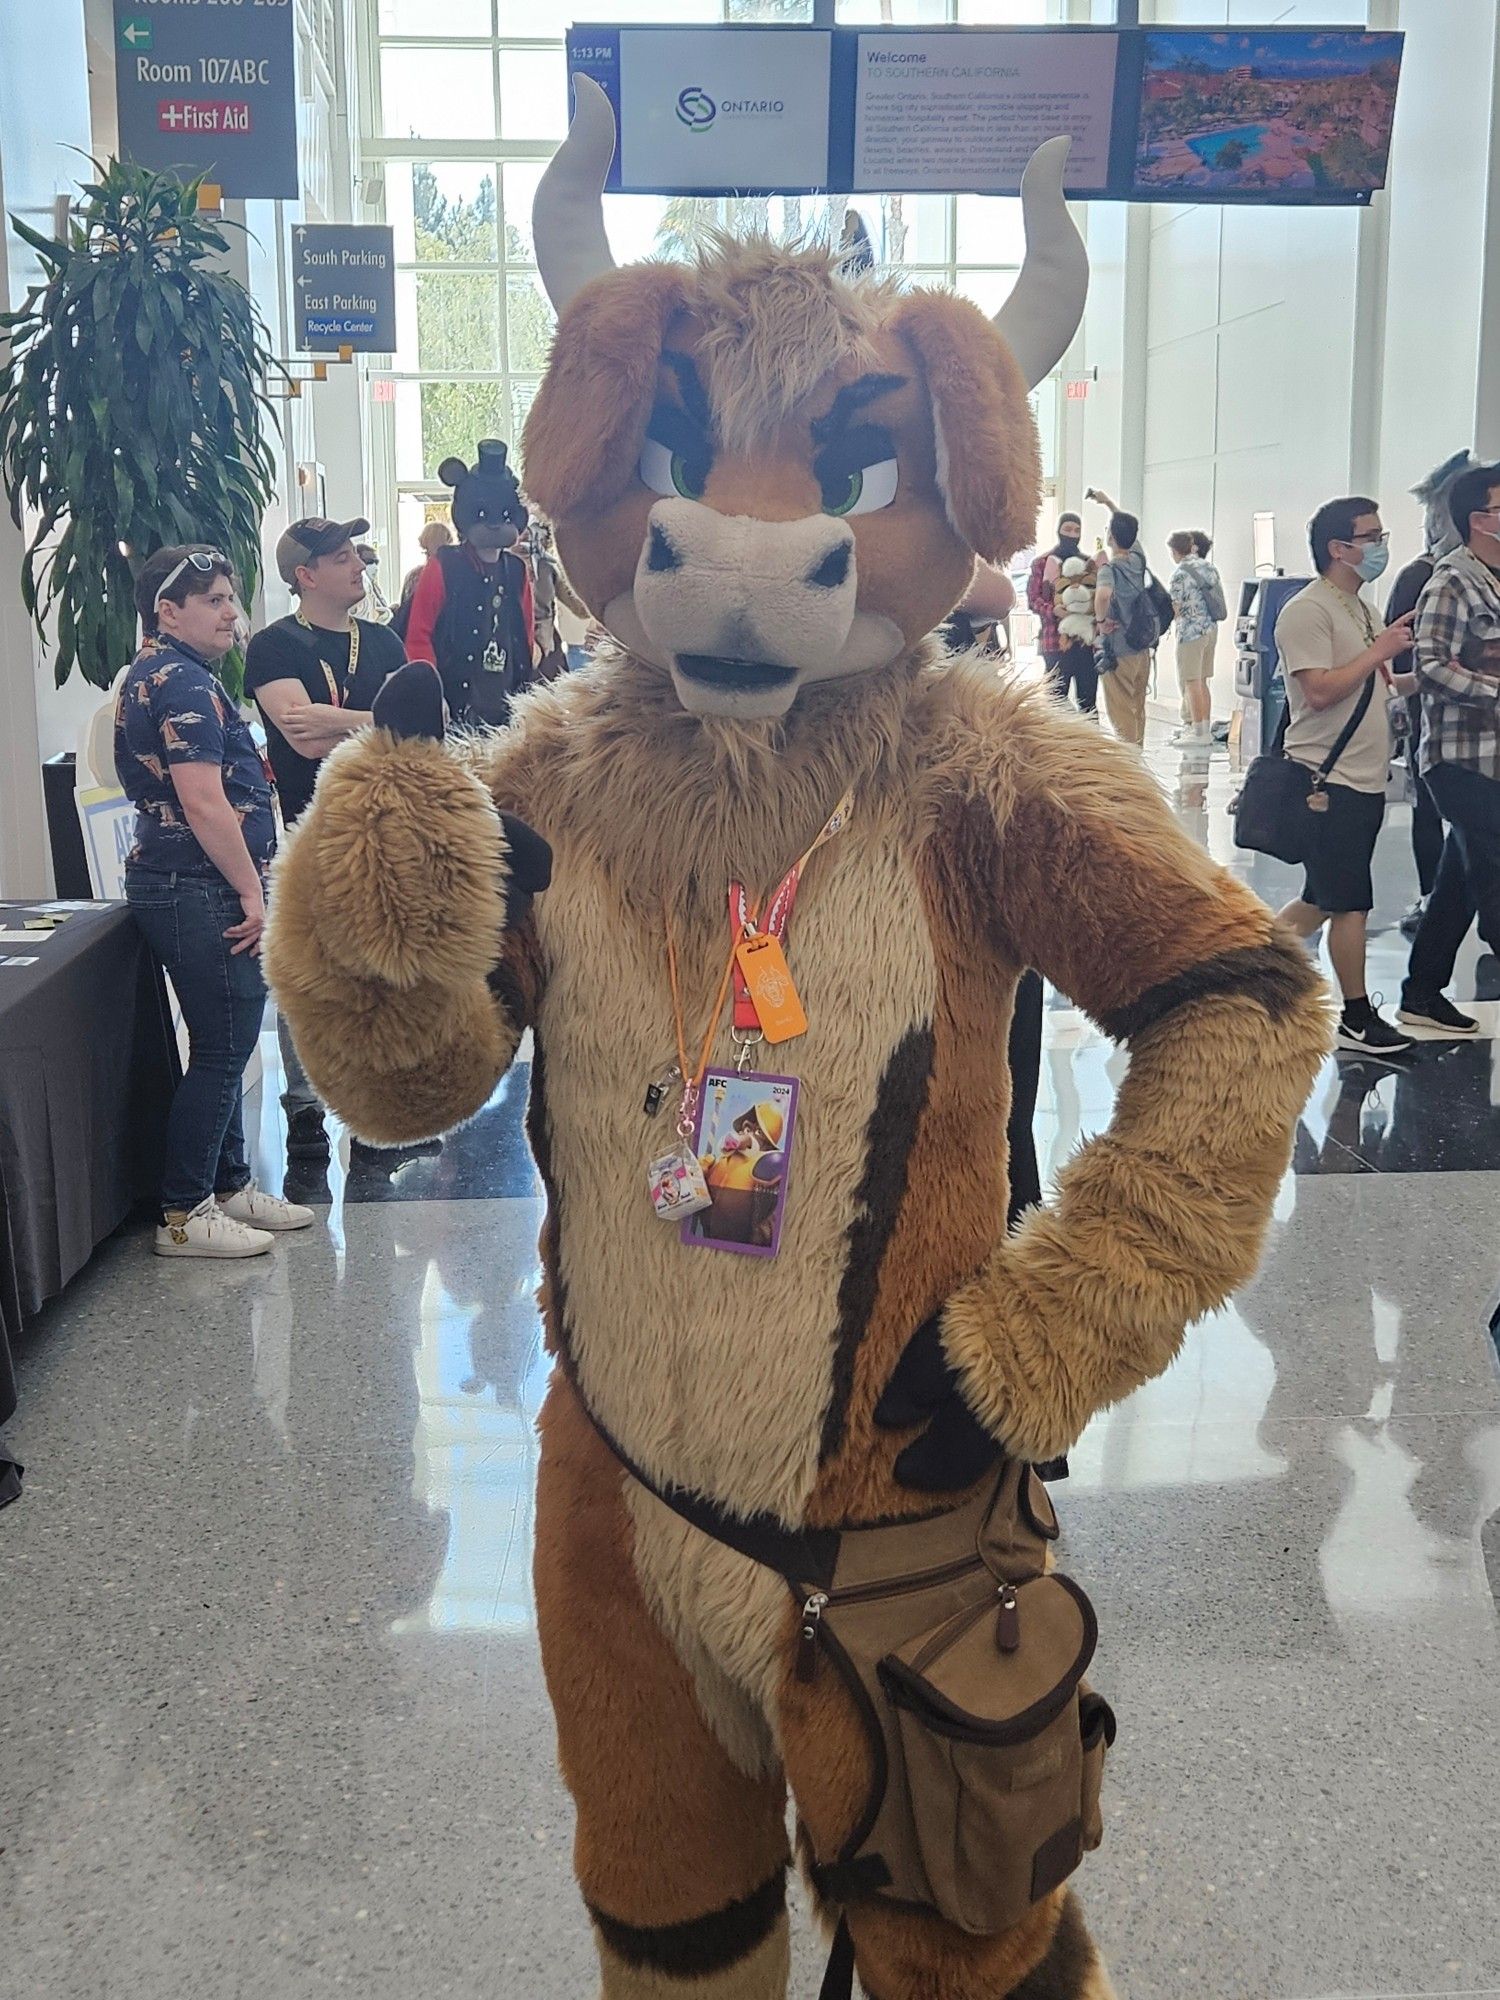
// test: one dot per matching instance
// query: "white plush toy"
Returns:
(1075, 597)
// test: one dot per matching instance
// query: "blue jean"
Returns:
(223, 999)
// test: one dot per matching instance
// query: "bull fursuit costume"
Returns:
(770, 486)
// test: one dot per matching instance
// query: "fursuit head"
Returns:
(762, 476)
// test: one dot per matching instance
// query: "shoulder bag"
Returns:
(1271, 807)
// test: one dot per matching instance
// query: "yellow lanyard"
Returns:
(333, 686)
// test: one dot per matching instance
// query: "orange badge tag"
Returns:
(768, 976)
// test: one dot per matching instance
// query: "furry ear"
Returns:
(584, 434)
(452, 471)
(989, 463)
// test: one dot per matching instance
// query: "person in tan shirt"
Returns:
(1332, 645)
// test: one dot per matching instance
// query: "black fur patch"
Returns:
(1279, 976)
(1070, 1959)
(701, 1945)
(892, 1133)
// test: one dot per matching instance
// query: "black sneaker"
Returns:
(306, 1138)
(1371, 1036)
(1434, 1011)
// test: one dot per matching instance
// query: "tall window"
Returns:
(462, 104)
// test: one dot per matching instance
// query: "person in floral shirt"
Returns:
(195, 881)
(1198, 610)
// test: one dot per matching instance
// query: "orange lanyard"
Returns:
(692, 1079)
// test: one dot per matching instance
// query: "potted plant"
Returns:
(133, 410)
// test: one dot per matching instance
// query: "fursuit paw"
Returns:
(410, 704)
(402, 866)
(1013, 1382)
(952, 1449)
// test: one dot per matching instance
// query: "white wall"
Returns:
(1436, 202)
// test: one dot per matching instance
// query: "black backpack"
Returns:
(1147, 614)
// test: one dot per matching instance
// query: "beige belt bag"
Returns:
(965, 1658)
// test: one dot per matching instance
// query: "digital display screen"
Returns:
(1268, 114)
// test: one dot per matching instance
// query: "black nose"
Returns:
(660, 553)
(833, 571)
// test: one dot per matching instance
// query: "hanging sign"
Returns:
(344, 287)
(210, 90)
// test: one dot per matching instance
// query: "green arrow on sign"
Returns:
(139, 34)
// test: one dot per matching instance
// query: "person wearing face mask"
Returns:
(195, 883)
(1069, 666)
(1458, 668)
(1335, 655)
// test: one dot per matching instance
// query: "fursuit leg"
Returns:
(681, 1855)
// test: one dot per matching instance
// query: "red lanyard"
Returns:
(745, 919)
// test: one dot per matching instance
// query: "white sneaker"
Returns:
(207, 1231)
(260, 1210)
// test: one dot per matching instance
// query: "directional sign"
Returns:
(211, 90)
(344, 287)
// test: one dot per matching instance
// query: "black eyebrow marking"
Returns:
(850, 399)
(689, 386)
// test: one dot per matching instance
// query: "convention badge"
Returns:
(745, 1134)
(677, 1186)
(767, 975)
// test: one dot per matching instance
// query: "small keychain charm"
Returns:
(676, 1181)
(678, 1188)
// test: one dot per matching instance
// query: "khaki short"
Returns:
(1195, 658)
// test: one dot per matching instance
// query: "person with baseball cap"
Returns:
(314, 676)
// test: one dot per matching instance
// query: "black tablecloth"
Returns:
(87, 1069)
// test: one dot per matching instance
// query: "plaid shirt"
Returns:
(1458, 662)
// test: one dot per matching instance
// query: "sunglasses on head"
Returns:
(202, 560)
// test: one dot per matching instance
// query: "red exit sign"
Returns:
(1078, 389)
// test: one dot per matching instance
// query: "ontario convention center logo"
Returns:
(696, 108)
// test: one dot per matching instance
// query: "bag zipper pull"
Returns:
(1008, 1623)
(807, 1643)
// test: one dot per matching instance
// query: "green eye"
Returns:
(845, 502)
(682, 477)
(856, 489)
(665, 471)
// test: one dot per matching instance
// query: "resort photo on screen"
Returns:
(1266, 112)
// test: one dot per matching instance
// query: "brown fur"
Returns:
(584, 432)
(668, 1828)
(992, 480)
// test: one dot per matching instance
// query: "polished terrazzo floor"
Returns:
(271, 1719)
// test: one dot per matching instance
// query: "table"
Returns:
(88, 1065)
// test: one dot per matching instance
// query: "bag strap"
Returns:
(1361, 710)
(838, 1980)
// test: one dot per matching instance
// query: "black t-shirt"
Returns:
(287, 651)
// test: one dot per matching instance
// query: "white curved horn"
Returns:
(567, 217)
(1042, 314)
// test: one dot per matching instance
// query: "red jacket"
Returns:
(427, 609)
